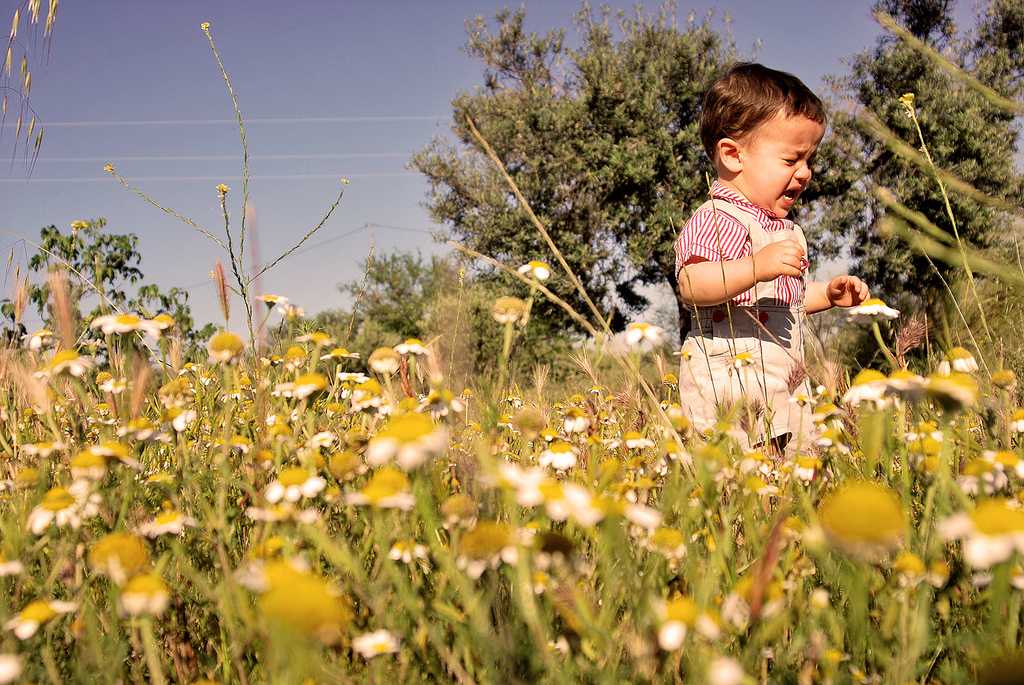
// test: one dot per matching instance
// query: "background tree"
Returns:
(406, 296)
(966, 135)
(602, 141)
(98, 267)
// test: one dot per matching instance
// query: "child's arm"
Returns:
(842, 291)
(703, 284)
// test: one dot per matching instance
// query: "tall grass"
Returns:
(306, 516)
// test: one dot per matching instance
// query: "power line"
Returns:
(234, 122)
(281, 177)
(222, 158)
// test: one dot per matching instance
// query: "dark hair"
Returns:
(748, 95)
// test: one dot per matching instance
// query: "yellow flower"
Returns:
(36, 613)
(387, 489)
(910, 567)
(576, 420)
(66, 360)
(409, 440)
(304, 602)
(125, 323)
(962, 360)
(862, 518)
(170, 521)
(145, 593)
(119, 555)
(39, 339)
(291, 312)
(537, 269)
(640, 332)
(488, 544)
(225, 347)
(293, 484)
(302, 387)
(411, 346)
(384, 360)
(743, 359)
(1005, 380)
(560, 456)
(346, 465)
(294, 358)
(509, 309)
(460, 510)
(369, 645)
(872, 310)
(63, 506)
(991, 534)
(340, 353)
(952, 392)
(907, 100)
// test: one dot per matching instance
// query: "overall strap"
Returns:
(757, 238)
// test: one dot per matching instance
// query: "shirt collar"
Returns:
(720, 191)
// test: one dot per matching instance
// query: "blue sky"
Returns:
(328, 89)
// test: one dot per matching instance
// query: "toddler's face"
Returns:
(774, 162)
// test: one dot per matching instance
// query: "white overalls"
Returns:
(714, 372)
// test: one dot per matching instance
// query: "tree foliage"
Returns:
(966, 135)
(404, 295)
(96, 266)
(602, 141)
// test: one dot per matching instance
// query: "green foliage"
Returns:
(88, 263)
(279, 528)
(398, 289)
(967, 135)
(601, 140)
(403, 296)
(98, 264)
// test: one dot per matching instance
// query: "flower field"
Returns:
(308, 516)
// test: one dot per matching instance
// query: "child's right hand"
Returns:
(784, 258)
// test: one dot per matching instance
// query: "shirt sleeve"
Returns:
(710, 235)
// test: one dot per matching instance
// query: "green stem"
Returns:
(881, 344)
(156, 669)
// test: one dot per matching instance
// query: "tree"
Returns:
(404, 296)
(101, 264)
(602, 141)
(397, 292)
(966, 135)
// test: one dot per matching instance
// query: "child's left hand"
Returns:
(846, 291)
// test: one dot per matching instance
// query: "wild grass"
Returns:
(302, 515)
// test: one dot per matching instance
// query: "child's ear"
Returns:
(729, 154)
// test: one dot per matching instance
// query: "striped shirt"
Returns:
(718, 237)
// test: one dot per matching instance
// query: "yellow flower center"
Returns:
(123, 549)
(863, 512)
(485, 540)
(994, 517)
(57, 498)
(38, 611)
(385, 483)
(408, 428)
(293, 476)
(684, 610)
